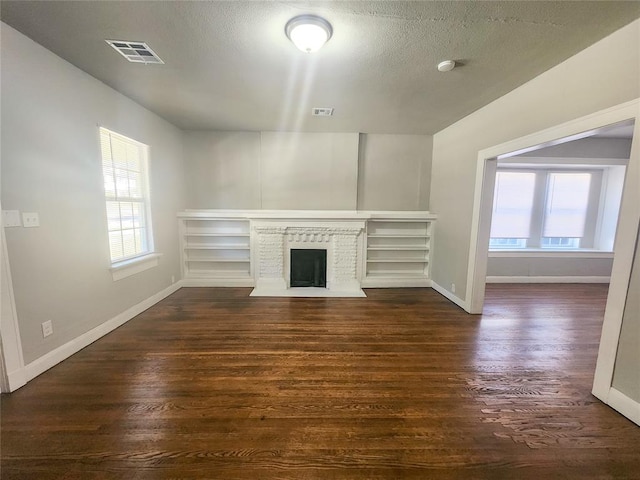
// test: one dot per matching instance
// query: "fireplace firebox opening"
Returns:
(308, 268)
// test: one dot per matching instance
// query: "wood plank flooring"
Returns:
(212, 383)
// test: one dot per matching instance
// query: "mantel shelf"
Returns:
(216, 247)
(217, 234)
(395, 248)
(398, 235)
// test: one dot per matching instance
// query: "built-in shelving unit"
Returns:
(219, 247)
(216, 251)
(397, 252)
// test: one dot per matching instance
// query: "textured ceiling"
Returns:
(229, 66)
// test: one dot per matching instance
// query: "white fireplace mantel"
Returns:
(274, 239)
(253, 248)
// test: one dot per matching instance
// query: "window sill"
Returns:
(549, 253)
(130, 267)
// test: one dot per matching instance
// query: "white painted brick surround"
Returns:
(276, 238)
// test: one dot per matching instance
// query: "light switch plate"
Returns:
(11, 218)
(30, 219)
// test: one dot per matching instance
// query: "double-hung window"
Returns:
(546, 208)
(125, 173)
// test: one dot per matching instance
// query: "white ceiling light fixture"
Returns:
(308, 32)
(446, 66)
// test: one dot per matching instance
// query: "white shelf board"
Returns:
(200, 281)
(217, 260)
(218, 274)
(396, 282)
(398, 274)
(398, 248)
(217, 234)
(400, 220)
(216, 247)
(397, 260)
(397, 235)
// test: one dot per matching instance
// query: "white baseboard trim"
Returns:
(16, 379)
(624, 405)
(63, 352)
(450, 296)
(548, 279)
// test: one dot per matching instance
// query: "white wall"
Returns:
(312, 171)
(529, 266)
(626, 377)
(51, 165)
(223, 170)
(585, 148)
(603, 75)
(309, 171)
(394, 172)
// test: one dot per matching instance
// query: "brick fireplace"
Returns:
(275, 238)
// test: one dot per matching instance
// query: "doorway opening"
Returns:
(615, 121)
(555, 209)
(625, 236)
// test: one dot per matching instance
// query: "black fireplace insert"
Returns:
(308, 268)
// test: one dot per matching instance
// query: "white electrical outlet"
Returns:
(173, 279)
(47, 328)
(453, 288)
(30, 219)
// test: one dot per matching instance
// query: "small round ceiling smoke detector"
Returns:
(446, 66)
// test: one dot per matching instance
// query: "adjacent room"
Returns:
(319, 239)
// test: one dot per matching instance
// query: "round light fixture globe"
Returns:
(308, 32)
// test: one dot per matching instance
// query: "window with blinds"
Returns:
(513, 205)
(545, 209)
(566, 206)
(124, 170)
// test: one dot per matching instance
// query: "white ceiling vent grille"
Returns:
(321, 112)
(136, 52)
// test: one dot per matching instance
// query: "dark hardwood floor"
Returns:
(211, 383)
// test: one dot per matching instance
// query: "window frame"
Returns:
(121, 267)
(593, 215)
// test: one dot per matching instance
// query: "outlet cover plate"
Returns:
(47, 328)
(30, 219)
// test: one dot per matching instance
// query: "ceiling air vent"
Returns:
(321, 112)
(136, 52)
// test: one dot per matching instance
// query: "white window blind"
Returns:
(512, 204)
(546, 208)
(124, 168)
(566, 205)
